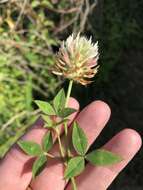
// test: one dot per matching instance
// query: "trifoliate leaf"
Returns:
(102, 157)
(47, 141)
(31, 148)
(45, 107)
(66, 112)
(59, 100)
(38, 165)
(48, 120)
(79, 139)
(75, 166)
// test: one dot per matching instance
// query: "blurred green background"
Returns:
(30, 34)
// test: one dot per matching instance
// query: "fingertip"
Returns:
(132, 137)
(104, 107)
(126, 143)
(100, 108)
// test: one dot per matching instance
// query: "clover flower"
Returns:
(77, 59)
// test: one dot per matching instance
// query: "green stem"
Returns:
(60, 146)
(65, 125)
(74, 184)
(66, 103)
(62, 151)
(49, 155)
(66, 130)
(69, 92)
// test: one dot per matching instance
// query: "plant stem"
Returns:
(66, 130)
(66, 135)
(73, 183)
(65, 125)
(66, 104)
(60, 146)
(69, 92)
(49, 155)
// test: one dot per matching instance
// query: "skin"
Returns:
(15, 168)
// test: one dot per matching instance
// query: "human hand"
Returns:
(15, 168)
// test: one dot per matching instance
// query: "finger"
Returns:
(126, 144)
(92, 119)
(15, 169)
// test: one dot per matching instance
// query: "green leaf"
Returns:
(102, 157)
(59, 100)
(45, 107)
(75, 166)
(31, 148)
(35, 4)
(79, 139)
(47, 4)
(47, 141)
(48, 120)
(66, 112)
(38, 165)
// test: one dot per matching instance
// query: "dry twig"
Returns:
(18, 115)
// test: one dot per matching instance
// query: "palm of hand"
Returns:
(15, 168)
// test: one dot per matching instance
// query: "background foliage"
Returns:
(30, 33)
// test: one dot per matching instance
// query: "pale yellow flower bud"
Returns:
(77, 59)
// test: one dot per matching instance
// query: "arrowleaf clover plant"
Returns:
(76, 61)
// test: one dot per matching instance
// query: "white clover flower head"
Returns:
(77, 59)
